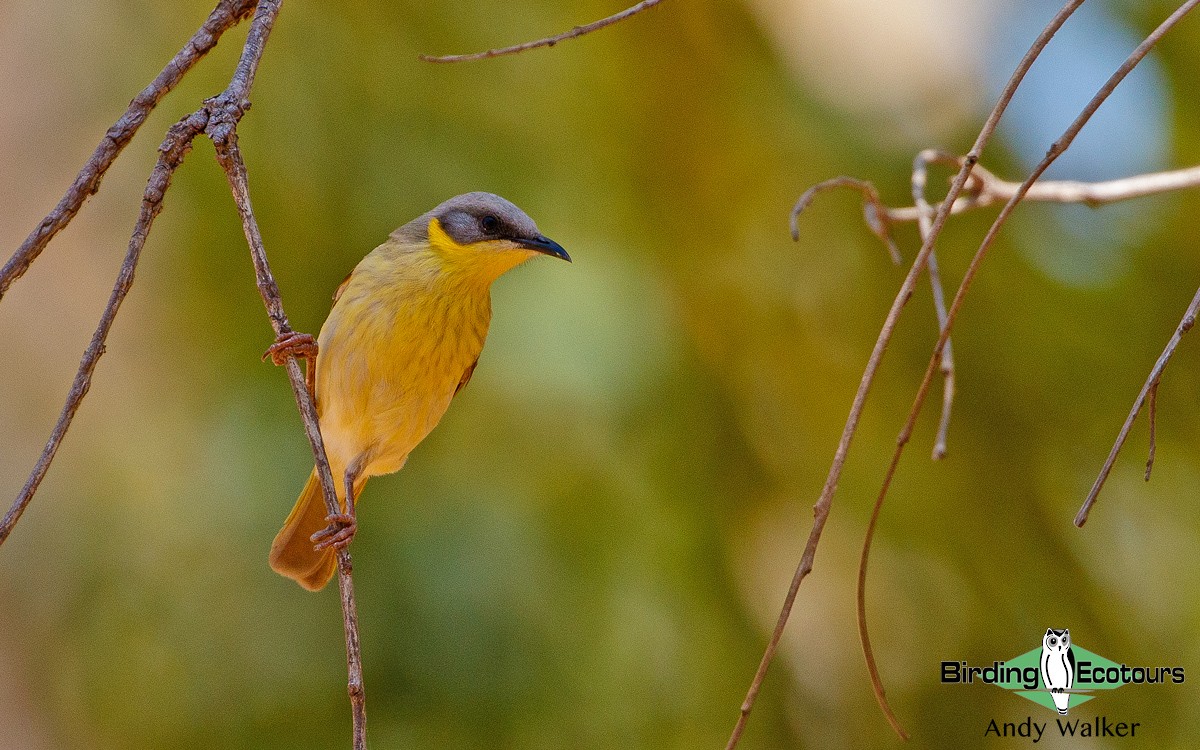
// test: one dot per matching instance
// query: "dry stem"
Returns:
(987, 189)
(171, 154)
(217, 119)
(925, 224)
(222, 129)
(825, 501)
(1153, 422)
(872, 205)
(227, 13)
(1149, 390)
(1059, 146)
(549, 41)
(230, 158)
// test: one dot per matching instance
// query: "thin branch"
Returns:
(549, 41)
(230, 158)
(217, 119)
(1056, 149)
(985, 189)
(171, 154)
(1148, 391)
(824, 503)
(878, 219)
(1153, 422)
(989, 189)
(864, 636)
(873, 209)
(925, 225)
(222, 129)
(87, 182)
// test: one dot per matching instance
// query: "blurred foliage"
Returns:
(591, 549)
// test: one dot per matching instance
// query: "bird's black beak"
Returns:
(545, 245)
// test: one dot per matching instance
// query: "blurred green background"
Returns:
(591, 549)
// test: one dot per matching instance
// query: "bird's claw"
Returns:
(338, 534)
(294, 344)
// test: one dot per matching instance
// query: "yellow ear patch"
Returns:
(441, 242)
(490, 258)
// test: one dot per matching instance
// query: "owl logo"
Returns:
(1058, 667)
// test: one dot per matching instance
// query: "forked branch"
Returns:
(227, 13)
(1056, 150)
(985, 189)
(218, 119)
(171, 154)
(1149, 391)
(825, 501)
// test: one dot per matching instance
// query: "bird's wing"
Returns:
(466, 377)
(311, 371)
(1070, 667)
(342, 287)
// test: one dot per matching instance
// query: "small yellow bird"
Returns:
(403, 337)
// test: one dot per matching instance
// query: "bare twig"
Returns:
(873, 209)
(1149, 390)
(987, 189)
(925, 224)
(222, 129)
(878, 219)
(230, 158)
(218, 119)
(171, 154)
(1153, 421)
(226, 14)
(864, 636)
(1056, 149)
(825, 501)
(549, 41)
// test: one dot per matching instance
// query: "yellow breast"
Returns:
(393, 351)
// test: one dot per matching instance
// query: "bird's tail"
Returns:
(292, 552)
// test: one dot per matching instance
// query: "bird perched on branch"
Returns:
(403, 338)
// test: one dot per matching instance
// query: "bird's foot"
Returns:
(292, 343)
(338, 534)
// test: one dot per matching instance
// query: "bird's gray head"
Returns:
(473, 218)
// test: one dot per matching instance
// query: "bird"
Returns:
(402, 339)
(1058, 667)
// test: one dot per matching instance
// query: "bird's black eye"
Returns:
(490, 224)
